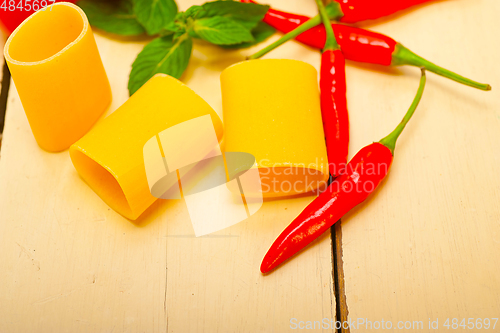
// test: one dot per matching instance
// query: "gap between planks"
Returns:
(4, 85)
(341, 309)
(4, 94)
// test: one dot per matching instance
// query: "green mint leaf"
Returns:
(116, 17)
(181, 16)
(193, 11)
(179, 25)
(179, 33)
(172, 26)
(260, 33)
(154, 15)
(163, 55)
(246, 14)
(193, 34)
(221, 31)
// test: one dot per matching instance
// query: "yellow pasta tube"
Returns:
(110, 156)
(57, 70)
(271, 109)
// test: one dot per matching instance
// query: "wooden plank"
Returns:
(426, 244)
(69, 263)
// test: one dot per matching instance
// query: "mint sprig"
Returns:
(228, 24)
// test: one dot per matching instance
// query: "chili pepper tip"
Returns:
(265, 266)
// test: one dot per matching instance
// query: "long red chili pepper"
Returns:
(357, 44)
(352, 11)
(364, 173)
(362, 10)
(333, 100)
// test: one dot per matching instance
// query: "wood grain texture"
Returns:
(70, 264)
(426, 245)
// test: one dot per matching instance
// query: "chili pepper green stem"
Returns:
(403, 56)
(333, 11)
(390, 140)
(331, 42)
(316, 20)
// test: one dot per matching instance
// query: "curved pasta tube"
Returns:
(58, 73)
(271, 109)
(110, 157)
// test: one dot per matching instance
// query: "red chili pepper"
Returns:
(334, 110)
(363, 175)
(352, 11)
(333, 100)
(362, 10)
(15, 12)
(357, 44)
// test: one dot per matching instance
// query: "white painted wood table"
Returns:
(425, 245)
